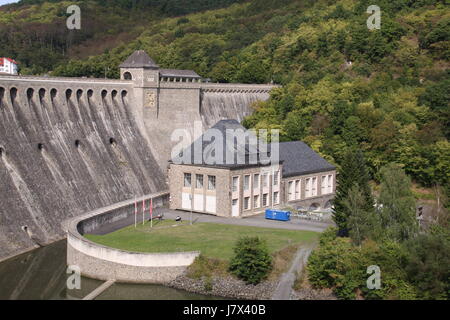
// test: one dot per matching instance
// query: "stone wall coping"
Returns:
(210, 85)
(64, 80)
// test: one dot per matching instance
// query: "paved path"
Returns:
(255, 221)
(284, 288)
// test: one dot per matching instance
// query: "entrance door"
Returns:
(235, 208)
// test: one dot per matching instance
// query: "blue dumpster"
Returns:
(278, 215)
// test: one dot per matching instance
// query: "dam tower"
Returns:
(144, 73)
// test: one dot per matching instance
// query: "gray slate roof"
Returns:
(206, 143)
(139, 59)
(299, 159)
(178, 73)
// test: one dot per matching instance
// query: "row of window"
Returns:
(199, 181)
(257, 179)
(294, 187)
(257, 199)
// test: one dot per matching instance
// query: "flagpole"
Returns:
(143, 211)
(151, 213)
(135, 212)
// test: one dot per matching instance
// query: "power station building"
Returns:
(298, 177)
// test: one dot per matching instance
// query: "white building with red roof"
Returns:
(8, 66)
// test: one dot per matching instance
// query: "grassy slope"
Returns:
(213, 240)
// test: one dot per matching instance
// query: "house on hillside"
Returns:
(248, 185)
(8, 66)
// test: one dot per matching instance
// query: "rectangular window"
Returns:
(235, 184)
(256, 181)
(290, 191)
(308, 188)
(199, 181)
(297, 190)
(265, 178)
(275, 178)
(314, 186)
(247, 203)
(276, 198)
(246, 183)
(187, 180)
(324, 185)
(256, 202)
(330, 183)
(264, 200)
(211, 183)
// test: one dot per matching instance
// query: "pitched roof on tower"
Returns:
(139, 59)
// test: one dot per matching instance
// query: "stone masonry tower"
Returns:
(144, 73)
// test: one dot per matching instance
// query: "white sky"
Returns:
(2, 2)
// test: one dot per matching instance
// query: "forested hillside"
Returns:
(385, 91)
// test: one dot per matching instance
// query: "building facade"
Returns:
(301, 179)
(8, 66)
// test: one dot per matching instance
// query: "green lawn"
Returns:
(213, 240)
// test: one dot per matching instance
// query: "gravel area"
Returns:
(227, 287)
(312, 294)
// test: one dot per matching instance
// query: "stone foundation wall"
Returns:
(103, 269)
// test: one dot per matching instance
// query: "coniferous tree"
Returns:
(353, 172)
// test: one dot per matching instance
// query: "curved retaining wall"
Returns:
(104, 263)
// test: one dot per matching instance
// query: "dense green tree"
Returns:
(398, 206)
(251, 261)
(363, 224)
(428, 266)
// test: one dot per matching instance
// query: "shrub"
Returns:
(252, 261)
(207, 267)
(339, 265)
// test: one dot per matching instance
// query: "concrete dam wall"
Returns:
(65, 149)
(218, 105)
